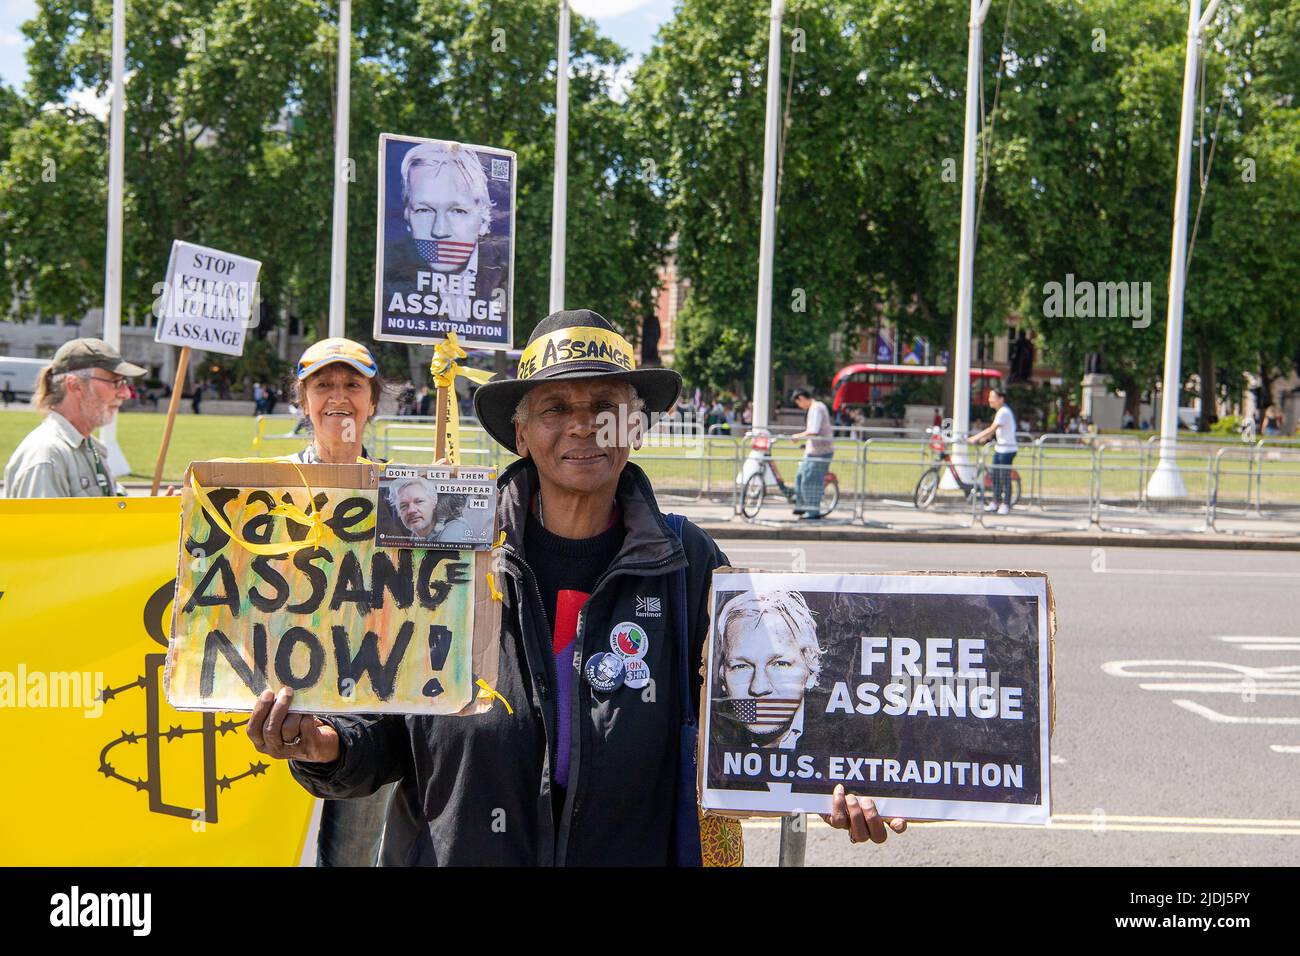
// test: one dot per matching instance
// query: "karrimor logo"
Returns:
(1098, 300)
(649, 606)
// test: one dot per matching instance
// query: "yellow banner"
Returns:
(99, 769)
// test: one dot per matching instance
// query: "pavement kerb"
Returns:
(735, 530)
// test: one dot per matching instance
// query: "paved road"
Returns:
(1154, 764)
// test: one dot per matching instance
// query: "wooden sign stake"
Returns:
(444, 410)
(182, 365)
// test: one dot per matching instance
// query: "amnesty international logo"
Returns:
(145, 750)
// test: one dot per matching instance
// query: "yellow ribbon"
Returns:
(444, 370)
(492, 586)
(315, 521)
(487, 693)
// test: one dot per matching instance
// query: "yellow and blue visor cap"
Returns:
(328, 351)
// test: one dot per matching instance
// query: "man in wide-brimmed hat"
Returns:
(589, 767)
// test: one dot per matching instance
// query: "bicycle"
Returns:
(755, 489)
(927, 487)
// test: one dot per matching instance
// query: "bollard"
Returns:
(794, 840)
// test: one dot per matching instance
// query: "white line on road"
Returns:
(1270, 640)
(1213, 715)
(1284, 749)
(1288, 688)
(1199, 572)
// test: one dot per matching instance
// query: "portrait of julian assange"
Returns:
(766, 659)
(447, 241)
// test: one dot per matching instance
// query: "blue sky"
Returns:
(630, 23)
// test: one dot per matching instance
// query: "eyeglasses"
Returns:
(118, 383)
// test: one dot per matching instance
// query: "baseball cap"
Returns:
(77, 354)
(328, 351)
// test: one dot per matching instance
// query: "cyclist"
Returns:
(1003, 430)
(818, 451)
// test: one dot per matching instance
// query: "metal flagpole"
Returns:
(767, 228)
(1167, 481)
(342, 111)
(560, 184)
(113, 252)
(966, 250)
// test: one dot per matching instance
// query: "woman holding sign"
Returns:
(338, 390)
(337, 387)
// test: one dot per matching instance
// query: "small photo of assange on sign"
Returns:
(436, 507)
(929, 692)
(207, 300)
(446, 244)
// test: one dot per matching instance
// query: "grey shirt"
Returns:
(57, 461)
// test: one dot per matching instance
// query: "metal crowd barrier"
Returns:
(1239, 486)
(888, 473)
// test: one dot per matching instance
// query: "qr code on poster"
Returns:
(501, 169)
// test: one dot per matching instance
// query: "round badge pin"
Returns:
(629, 640)
(636, 674)
(604, 671)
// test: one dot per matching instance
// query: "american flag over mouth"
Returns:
(763, 713)
(444, 251)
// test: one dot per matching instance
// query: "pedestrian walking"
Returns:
(1003, 432)
(819, 448)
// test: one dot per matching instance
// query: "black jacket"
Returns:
(477, 790)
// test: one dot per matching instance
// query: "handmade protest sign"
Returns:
(445, 247)
(207, 303)
(208, 299)
(280, 584)
(931, 693)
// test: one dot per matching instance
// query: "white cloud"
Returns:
(89, 101)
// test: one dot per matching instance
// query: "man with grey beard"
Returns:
(80, 390)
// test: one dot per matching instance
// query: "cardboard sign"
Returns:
(281, 586)
(446, 243)
(208, 300)
(929, 693)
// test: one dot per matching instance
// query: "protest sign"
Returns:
(280, 584)
(100, 769)
(445, 247)
(930, 693)
(208, 299)
(207, 303)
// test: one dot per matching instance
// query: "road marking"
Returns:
(1098, 824)
(1196, 572)
(1266, 689)
(1284, 748)
(1264, 643)
(1218, 718)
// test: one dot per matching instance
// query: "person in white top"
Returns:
(1003, 432)
(819, 449)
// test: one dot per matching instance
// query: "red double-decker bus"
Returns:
(876, 387)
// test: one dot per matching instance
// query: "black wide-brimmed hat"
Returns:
(568, 345)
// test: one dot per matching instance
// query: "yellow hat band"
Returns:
(578, 344)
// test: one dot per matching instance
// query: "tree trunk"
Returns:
(1209, 391)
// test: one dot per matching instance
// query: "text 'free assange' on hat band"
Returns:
(576, 344)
